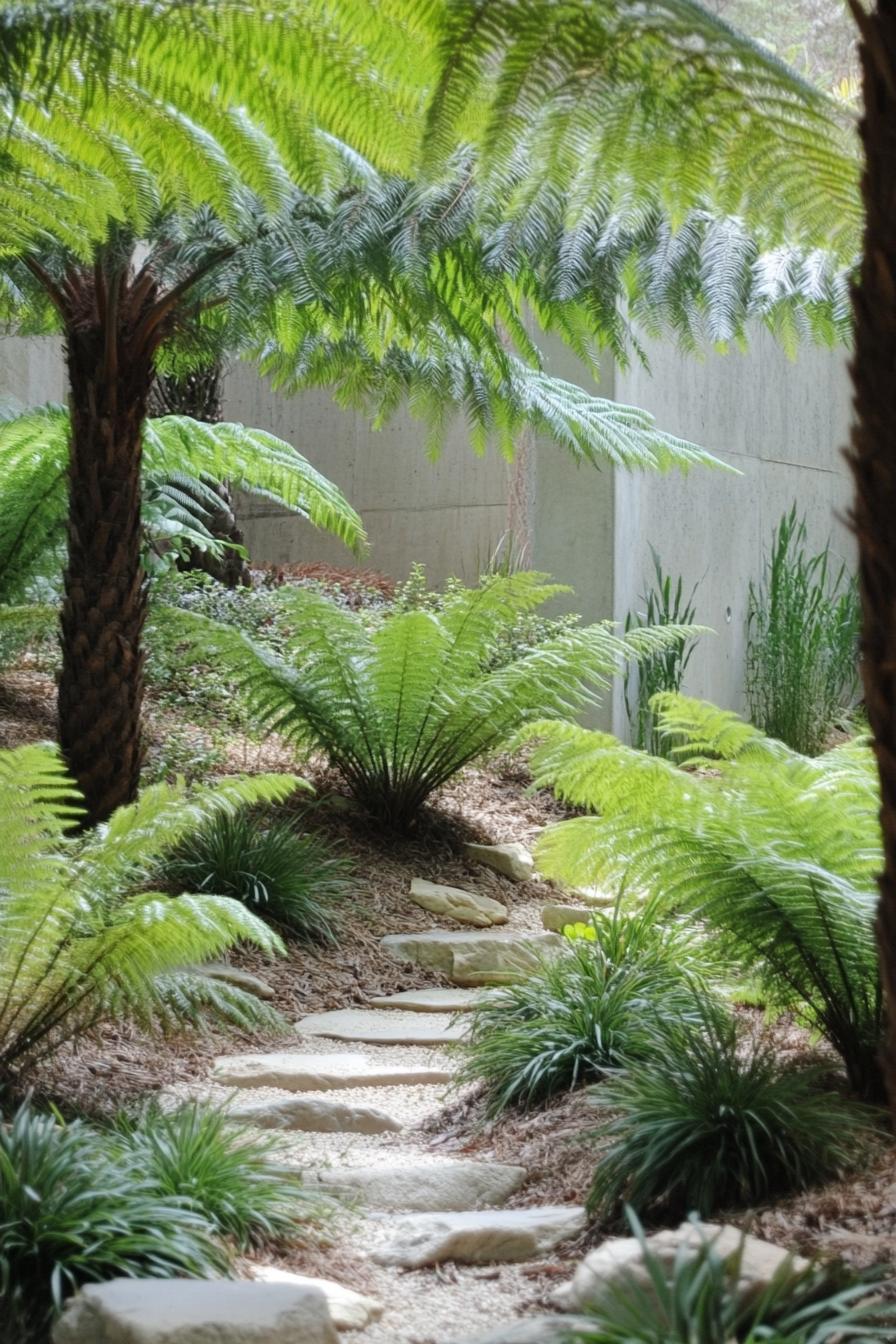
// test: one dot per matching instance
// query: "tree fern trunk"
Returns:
(110, 369)
(199, 395)
(873, 456)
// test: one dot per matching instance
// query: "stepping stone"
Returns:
(446, 1184)
(430, 1000)
(536, 1330)
(195, 1311)
(556, 917)
(513, 860)
(452, 902)
(505, 1236)
(489, 957)
(594, 896)
(348, 1310)
(375, 1028)
(231, 975)
(315, 1115)
(296, 1072)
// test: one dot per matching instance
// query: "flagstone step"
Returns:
(294, 1071)
(430, 1000)
(316, 1114)
(486, 957)
(492, 1236)
(441, 1185)
(370, 1026)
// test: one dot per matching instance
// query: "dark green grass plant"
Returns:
(584, 1011)
(665, 603)
(803, 641)
(700, 1300)
(293, 879)
(713, 1118)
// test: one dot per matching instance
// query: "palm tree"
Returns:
(873, 454)
(120, 113)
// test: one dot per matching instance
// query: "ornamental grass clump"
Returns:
(402, 707)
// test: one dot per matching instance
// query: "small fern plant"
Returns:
(402, 708)
(82, 940)
(778, 853)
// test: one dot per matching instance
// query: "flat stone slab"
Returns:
(513, 860)
(315, 1115)
(557, 917)
(430, 1000)
(348, 1310)
(488, 957)
(505, 1236)
(448, 1184)
(293, 1071)
(535, 1330)
(232, 975)
(195, 1311)
(467, 907)
(373, 1027)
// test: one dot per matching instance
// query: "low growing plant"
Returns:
(777, 853)
(584, 1011)
(700, 1300)
(803, 641)
(401, 708)
(294, 880)
(664, 604)
(715, 1119)
(75, 1208)
(82, 938)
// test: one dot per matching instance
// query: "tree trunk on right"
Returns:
(873, 456)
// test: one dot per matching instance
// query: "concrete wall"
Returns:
(449, 515)
(31, 372)
(782, 424)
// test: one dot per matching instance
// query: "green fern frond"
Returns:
(777, 852)
(401, 708)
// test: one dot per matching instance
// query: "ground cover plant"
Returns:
(163, 1196)
(714, 1117)
(401, 708)
(700, 1300)
(776, 852)
(587, 1011)
(84, 938)
(803, 641)
(292, 879)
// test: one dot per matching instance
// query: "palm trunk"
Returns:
(873, 457)
(110, 370)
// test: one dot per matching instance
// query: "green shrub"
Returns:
(229, 1177)
(716, 1119)
(294, 880)
(583, 1012)
(803, 641)
(82, 939)
(778, 853)
(400, 708)
(664, 604)
(76, 1209)
(699, 1301)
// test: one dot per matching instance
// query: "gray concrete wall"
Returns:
(449, 514)
(31, 372)
(782, 424)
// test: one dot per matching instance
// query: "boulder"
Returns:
(437, 1186)
(369, 1026)
(430, 1000)
(494, 1236)
(595, 896)
(556, 917)
(489, 957)
(195, 1311)
(315, 1115)
(513, 860)
(348, 1310)
(620, 1260)
(296, 1072)
(454, 903)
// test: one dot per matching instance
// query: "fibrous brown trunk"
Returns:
(873, 457)
(198, 394)
(109, 356)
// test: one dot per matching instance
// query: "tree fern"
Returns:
(401, 708)
(179, 456)
(81, 939)
(777, 852)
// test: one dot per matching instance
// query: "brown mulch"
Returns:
(356, 585)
